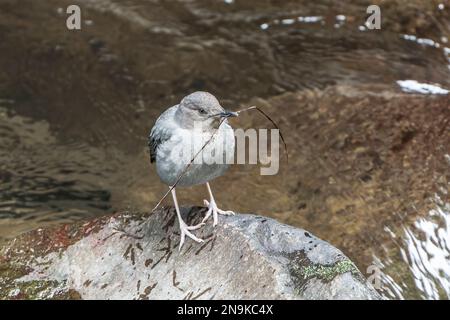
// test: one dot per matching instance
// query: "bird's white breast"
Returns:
(176, 153)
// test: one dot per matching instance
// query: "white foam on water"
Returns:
(287, 21)
(309, 19)
(414, 86)
(422, 41)
(427, 252)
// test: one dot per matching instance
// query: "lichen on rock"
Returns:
(327, 273)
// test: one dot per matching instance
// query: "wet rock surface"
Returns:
(134, 256)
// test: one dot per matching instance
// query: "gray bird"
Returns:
(179, 135)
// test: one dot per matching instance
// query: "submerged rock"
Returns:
(134, 256)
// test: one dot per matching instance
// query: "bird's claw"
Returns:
(184, 230)
(197, 226)
(212, 209)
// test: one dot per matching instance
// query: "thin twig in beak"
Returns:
(225, 114)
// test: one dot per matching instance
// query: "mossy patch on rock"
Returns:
(303, 269)
(12, 287)
(36, 290)
(327, 273)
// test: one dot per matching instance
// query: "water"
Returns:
(76, 108)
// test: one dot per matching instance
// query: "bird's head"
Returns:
(201, 107)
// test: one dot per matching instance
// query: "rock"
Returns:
(136, 256)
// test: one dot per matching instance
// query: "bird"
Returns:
(192, 143)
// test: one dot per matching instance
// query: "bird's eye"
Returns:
(202, 111)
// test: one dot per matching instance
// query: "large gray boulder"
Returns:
(136, 256)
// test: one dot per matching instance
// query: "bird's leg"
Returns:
(184, 228)
(212, 208)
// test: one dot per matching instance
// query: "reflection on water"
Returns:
(42, 181)
(76, 108)
(288, 21)
(427, 252)
(429, 258)
(425, 248)
(424, 88)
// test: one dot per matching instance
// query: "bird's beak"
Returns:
(228, 114)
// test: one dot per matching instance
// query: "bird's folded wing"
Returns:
(161, 132)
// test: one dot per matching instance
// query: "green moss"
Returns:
(12, 288)
(34, 289)
(37, 290)
(302, 269)
(327, 273)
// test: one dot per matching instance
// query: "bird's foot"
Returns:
(214, 211)
(185, 231)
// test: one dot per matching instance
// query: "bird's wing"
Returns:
(161, 131)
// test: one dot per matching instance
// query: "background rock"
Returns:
(132, 256)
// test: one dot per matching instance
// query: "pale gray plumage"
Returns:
(177, 128)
